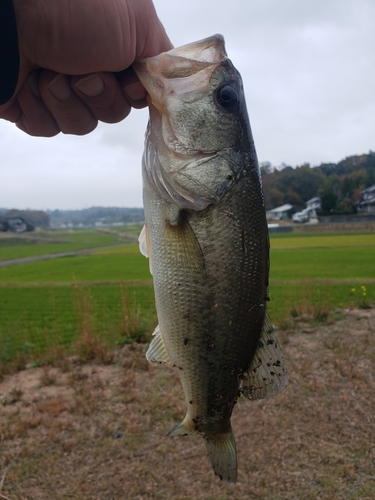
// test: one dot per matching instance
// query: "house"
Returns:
(302, 216)
(367, 202)
(309, 213)
(313, 205)
(279, 213)
(15, 224)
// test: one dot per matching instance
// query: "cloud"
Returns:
(70, 172)
(308, 71)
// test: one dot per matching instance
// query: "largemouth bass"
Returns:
(207, 240)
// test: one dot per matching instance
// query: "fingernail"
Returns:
(135, 91)
(60, 88)
(32, 82)
(92, 85)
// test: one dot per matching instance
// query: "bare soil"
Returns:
(97, 431)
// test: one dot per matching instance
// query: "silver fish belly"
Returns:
(207, 240)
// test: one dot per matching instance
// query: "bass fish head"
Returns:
(198, 130)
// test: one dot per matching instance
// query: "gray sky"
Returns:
(309, 75)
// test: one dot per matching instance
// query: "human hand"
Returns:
(70, 53)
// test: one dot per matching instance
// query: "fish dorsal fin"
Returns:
(267, 375)
(157, 350)
(145, 244)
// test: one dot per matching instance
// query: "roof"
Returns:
(283, 208)
(369, 189)
(314, 200)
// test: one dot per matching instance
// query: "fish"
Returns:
(206, 238)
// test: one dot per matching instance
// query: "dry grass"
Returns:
(97, 431)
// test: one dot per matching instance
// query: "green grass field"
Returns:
(50, 242)
(114, 266)
(108, 293)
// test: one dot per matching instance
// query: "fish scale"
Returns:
(207, 239)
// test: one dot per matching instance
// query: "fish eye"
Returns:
(227, 96)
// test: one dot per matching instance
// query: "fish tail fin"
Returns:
(223, 455)
(221, 449)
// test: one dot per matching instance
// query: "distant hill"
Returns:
(95, 216)
(338, 184)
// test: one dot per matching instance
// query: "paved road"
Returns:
(35, 258)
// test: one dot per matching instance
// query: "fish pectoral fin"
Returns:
(187, 251)
(267, 375)
(145, 244)
(157, 350)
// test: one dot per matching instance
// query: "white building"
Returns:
(279, 213)
(367, 201)
(313, 205)
(309, 213)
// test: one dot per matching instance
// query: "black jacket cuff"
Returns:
(9, 56)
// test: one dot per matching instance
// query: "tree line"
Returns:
(338, 185)
(36, 218)
(92, 215)
(86, 216)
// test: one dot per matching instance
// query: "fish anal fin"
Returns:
(183, 428)
(267, 375)
(157, 350)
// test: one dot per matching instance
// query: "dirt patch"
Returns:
(98, 432)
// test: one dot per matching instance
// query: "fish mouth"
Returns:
(160, 74)
(186, 60)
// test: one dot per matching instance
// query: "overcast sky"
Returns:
(309, 75)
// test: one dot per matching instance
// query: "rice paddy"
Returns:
(108, 291)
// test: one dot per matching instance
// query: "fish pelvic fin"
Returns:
(267, 375)
(145, 244)
(223, 455)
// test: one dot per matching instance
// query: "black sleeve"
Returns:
(9, 57)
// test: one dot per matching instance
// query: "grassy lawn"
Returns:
(302, 240)
(323, 263)
(317, 273)
(109, 291)
(38, 318)
(50, 242)
(99, 267)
